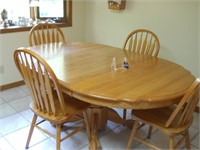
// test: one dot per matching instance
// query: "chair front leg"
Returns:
(87, 126)
(133, 134)
(187, 140)
(58, 131)
(31, 130)
(171, 142)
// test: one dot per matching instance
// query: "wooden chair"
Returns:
(45, 33)
(142, 41)
(173, 120)
(48, 102)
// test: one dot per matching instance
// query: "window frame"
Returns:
(65, 22)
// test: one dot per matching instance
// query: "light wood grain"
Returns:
(174, 120)
(142, 41)
(84, 71)
(48, 101)
(45, 33)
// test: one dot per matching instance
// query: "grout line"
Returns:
(105, 133)
(9, 143)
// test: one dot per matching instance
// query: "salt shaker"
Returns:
(113, 64)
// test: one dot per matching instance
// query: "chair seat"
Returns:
(159, 117)
(72, 107)
(174, 120)
(48, 100)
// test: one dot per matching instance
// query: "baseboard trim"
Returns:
(11, 85)
(19, 83)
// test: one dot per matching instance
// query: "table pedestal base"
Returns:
(99, 117)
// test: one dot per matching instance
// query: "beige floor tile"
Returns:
(194, 148)
(21, 104)
(48, 126)
(12, 123)
(193, 132)
(45, 145)
(12, 94)
(115, 139)
(16, 116)
(74, 142)
(18, 138)
(109, 127)
(24, 88)
(6, 110)
(4, 145)
(119, 136)
(196, 121)
(28, 114)
(1, 101)
(195, 141)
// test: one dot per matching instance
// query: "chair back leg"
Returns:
(149, 132)
(124, 114)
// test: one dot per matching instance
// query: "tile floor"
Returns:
(15, 119)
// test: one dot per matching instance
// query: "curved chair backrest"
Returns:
(45, 33)
(41, 81)
(184, 110)
(142, 41)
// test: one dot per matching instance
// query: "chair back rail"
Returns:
(174, 120)
(142, 41)
(186, 106)
(45, 33)
(41, 81)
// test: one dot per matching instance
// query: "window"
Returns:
(50, 9)
(16, 9)
(58, 10)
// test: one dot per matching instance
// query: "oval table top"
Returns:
(84, 71)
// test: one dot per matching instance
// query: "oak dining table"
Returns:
(84, 72)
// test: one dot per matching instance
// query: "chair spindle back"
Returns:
(186, 106)
(41, 81)
(142, 41)
(45, 33)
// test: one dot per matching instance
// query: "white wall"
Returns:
(1, 78)
(174, 21)
(10, 41)
(199, 40)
